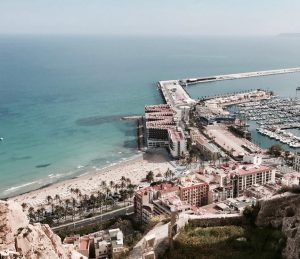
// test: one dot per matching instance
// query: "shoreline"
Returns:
(134, 168)
(92, 170)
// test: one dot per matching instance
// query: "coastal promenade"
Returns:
(191, 81)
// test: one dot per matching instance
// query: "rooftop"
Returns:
(163, 188)
(251, 169)
(176, 134)
(190, 181)
(84, 243)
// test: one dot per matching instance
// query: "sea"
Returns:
(62, 97)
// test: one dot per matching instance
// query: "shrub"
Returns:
(251, 212)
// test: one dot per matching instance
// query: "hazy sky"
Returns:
(161, 17)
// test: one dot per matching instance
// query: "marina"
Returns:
(274, 117)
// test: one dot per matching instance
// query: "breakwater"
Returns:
(191, 81)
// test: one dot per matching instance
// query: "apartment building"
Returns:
(193, 191)
(143, 199)
(159, 119)
(246, 176)
(177, 142)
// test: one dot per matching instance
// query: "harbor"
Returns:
(274, 117)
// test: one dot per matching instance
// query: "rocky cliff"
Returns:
(19, 239)
(283, 211)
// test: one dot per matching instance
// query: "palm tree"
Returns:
(172, 174)
(130, 192)
(73, 208)
(108, 191)
(81, 207)
(31, 214)
(111, 184)
(226, 159)
(150, 177)
(80, 196)
(49, 199)
(117, 186)
(38, 213)
(99, 199)
(43, 212)
(122, 185)
(167, 173)
(24, 206)
(123, 178)
(132, 186)
(103, 184)
(84, 201)
(128, 181)
(67, 202)
(124, 195)
(59, 212)
(76, 191)
(93, 201)
(57, 198)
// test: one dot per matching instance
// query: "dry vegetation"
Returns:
(227, 242)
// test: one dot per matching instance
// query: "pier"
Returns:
(192, 81)
(175, 95)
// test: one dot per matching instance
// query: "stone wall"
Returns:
(283, 211)
(225, 220)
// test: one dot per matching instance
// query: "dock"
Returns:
(199, 80)
(132, 118)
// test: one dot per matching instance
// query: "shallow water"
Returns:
(61, 98)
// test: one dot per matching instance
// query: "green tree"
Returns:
(275, 150)
(31, 214)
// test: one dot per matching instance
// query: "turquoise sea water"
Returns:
(62, 97)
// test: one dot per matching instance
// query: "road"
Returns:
(103, 217)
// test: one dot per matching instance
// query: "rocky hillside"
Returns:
(20, 239)
(283, 211)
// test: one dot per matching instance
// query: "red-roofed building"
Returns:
(193, 191)
(159, 118)
(84, 246)
(143, 199)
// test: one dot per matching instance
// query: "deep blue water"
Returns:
(62, 97)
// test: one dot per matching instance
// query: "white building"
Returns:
(247, 176)
(252, 159)
(177, 142)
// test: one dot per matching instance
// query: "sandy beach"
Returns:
(135, 169)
